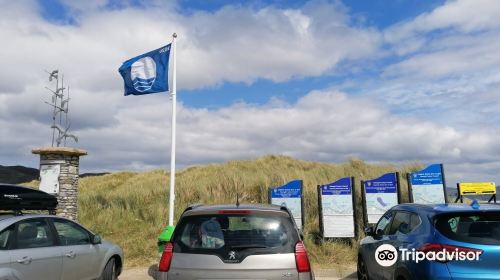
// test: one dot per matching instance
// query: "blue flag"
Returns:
(146, 73)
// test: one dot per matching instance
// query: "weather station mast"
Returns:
(60, 106)
(59, 164)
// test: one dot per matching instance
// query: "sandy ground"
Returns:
(347, 273)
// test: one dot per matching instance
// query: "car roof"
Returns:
(212, 208)
(434, 209)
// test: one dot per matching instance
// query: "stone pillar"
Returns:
(59, 168)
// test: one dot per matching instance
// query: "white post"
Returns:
(172, 157)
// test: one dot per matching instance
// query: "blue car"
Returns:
(441, 241)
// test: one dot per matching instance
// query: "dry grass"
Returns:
(132, 208)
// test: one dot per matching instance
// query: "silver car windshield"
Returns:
(220, 233)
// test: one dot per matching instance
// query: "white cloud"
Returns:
(243, 44)
(451, 55)
(275, 44)
(465, 16)
(460, 37)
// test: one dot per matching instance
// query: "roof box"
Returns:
(17, 198)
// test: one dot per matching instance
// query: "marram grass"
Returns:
(131, 208)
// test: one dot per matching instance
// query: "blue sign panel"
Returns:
(431, 175)
(427, 185)
(289, 195)
(337, 209)
(290, 189)
(340, 187)
(381, 194)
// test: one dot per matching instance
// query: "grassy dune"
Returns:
(132, 208)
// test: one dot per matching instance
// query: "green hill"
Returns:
(17, 174)
(131, 208)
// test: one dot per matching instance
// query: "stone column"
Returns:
(65, 186)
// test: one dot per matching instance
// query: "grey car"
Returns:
(235, 242)
(47, 247)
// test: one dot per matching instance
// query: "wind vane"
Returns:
(60, 106)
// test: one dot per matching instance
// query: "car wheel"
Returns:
(362, 271)
(109, 272)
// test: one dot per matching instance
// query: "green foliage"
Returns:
(131, 209)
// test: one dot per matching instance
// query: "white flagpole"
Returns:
(172, 157)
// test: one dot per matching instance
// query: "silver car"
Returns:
(47, 247)
(235, 242)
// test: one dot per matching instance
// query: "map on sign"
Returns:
(380, 195)
(289, 195)
(337, 204)
(427, 185)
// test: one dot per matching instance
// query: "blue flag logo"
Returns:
(146, 73)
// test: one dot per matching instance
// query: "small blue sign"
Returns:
(340, 187)
(386, 183)
(290, 196)
(431, 175)
(337, 211)
(427, 185)
(291, 189)
(380, 195)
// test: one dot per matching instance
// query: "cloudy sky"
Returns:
(384, 81)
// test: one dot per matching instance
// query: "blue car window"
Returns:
(471, 227)
(401, 223)
(415, 221)
(383, 224)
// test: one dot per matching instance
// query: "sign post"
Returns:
(477, 188)
(336, 209)
(428, 186)
(380, 195)
(290, 195)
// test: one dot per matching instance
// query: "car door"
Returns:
(33, 254)
(80, 256)
(380, 237)
(397, 236)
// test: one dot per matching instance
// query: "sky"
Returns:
(384, 81)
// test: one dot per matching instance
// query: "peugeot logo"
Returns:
(232, 255)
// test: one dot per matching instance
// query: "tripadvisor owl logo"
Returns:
(386, 255)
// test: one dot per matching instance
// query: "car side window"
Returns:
(33, 233)
(5, 236)
(383, 224)
(70, 233)
(401, 223)
(414, 221)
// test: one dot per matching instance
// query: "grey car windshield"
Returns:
(219, 233)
